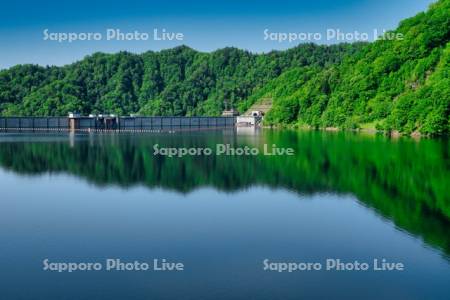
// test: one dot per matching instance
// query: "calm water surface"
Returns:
(89, 197)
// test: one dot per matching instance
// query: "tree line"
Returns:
(391, 84)
(178, 81)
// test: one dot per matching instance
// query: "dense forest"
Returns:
(178, 81)
(401, 85)
(392, 85)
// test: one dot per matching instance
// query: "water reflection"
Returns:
(404, 180)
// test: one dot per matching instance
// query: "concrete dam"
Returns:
(113, 123)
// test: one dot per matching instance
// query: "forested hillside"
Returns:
(401, 85)
(179, 81)
(391, 84)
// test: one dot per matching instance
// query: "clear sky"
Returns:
(205, 25)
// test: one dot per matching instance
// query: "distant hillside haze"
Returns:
(393, 85)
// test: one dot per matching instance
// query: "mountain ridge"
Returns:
(391, 85)
(176, 81)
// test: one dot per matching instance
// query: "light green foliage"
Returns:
(178, 81)
(399, 85)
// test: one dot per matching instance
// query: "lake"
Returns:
(232, 222)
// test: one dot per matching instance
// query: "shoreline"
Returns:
(392, 134)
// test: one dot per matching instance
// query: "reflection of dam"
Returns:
(108, 122)
(382, 175)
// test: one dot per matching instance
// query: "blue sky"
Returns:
(205, 25)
